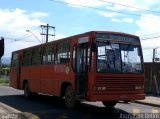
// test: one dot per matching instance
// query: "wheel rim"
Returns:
(69, 97)
(26, 90)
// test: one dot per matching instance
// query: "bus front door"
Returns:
(81, 70)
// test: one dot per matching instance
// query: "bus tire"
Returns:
(69, 97)
(27, 92)
(109, 104)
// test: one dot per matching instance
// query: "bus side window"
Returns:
(63, 53)
(14, 60)
(27, 57)
(36, 56)
(48, 54)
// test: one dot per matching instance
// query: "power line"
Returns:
(16, 40)
(129, 6)
(144, 36)
(102, 9)
(24, 34)
(20, 38)
(34, 35)
(150, 38)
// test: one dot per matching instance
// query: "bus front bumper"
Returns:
(126, 97)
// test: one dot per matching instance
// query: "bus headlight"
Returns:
(100, 88)
(104, 88)
(139, 87)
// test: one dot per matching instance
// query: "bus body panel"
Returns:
(49, 78)
(13, 75)
(34, 78)
(118, 87)
(117, 97)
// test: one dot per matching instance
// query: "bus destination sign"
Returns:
(117, 37)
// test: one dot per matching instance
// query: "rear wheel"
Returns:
(70, 98)
(109, 104)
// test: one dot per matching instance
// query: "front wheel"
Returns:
(27, 92)
(109, 104)
(70, 98)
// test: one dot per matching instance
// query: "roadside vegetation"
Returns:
(4, 81)
(4, 75)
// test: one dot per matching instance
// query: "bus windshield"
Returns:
(118, 58)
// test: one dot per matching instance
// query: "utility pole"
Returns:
(47, 31)
(152, 71)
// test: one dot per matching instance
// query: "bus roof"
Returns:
(89, 32)
(113, 32)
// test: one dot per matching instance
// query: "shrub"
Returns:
(3, 81)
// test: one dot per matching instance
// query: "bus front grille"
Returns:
(119, 83)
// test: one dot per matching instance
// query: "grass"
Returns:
(3, 81)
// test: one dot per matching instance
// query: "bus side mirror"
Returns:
(94, 47)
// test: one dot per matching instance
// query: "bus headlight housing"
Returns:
(139, 87)
(100, 88)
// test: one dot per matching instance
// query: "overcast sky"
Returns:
(139, 17)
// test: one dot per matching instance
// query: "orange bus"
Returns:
(94, 66)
